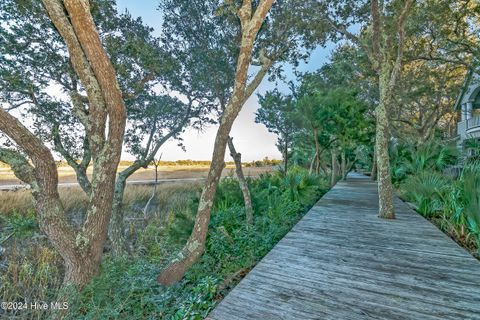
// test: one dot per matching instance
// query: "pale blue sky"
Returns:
(251, 139)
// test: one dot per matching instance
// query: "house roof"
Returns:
(463, 90)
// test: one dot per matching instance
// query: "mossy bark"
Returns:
(388, 68)
(116, 232)
(382, 137)
(81, 250)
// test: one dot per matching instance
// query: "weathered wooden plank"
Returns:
(406, 286)
(343, 295)
(342, 262)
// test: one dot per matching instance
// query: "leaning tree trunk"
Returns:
(237, 158)
(382, 137)
(195, 246)
(154, 191)
(324, 168)
(117, 226)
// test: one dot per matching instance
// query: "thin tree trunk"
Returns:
(117, 234)
(154, 191)
(373, 174)
(310, 171)
(350, 166)
(250, 25)
(317, 150)
(247, 199)
(285, 156)
(344, 165)
(117, 227)
(389, 71)
(324, 168)
(334, 171)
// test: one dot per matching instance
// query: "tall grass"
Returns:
(31, 270)
(74, 199)
(127, 287)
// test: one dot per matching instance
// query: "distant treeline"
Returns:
(266, 162)
(257, 163)
(263, 163)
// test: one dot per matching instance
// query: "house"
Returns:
(468, 103)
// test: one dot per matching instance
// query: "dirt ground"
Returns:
(67, 175)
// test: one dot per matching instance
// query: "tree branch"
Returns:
(260, 14)
(35, 149)
(401, 38)
(80, 168)
(20, 166)
(140, 84)
(97, 115)
(253, 85)
(377, 31)
(350, 36)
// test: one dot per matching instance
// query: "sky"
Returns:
(252, 140)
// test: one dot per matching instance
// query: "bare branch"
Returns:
(352, 37)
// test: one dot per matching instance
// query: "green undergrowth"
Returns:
(127, 288)
(450, 202)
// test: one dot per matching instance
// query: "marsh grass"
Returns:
(126, 287)
(31, 270)
(74, 199)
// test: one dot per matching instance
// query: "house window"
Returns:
(476, 102)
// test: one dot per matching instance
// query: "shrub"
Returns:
(453, 204)
(425, 190)
(127, 288)
(409, 160)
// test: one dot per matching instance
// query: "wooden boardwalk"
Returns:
(342, 262)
